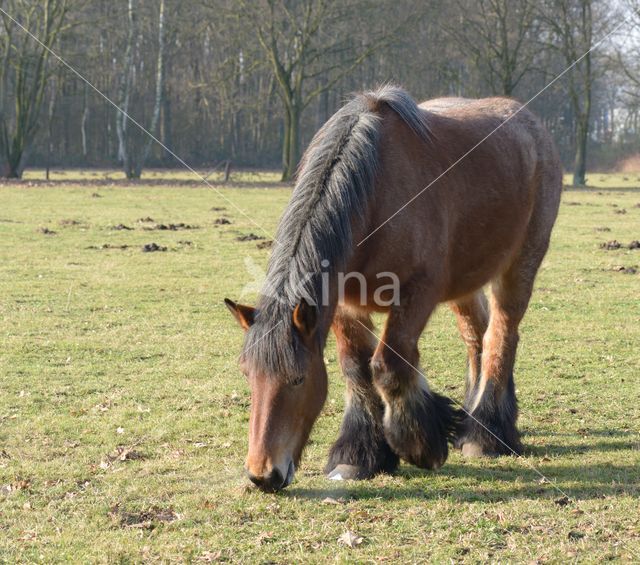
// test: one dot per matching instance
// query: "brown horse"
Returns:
(486, 221)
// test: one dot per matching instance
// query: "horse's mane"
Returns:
(334, 185)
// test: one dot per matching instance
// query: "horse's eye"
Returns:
(297, 382)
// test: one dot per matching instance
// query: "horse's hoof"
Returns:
(344, 472)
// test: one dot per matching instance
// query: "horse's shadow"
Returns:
(507, 478)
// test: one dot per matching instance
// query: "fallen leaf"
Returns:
(263, 537)
(210, 556)
(28, 535)
(350, 539)
(121, 453)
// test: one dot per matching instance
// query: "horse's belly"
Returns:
(476, 256)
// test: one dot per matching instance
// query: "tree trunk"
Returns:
(52, 104)
(291, 145)
(323, 107)
(286, 143)
(159, 90)
(124, 149)
(582, 131)
(580, 164)
(83, 121)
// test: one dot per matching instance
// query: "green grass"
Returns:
(105, 349)
(150, 175)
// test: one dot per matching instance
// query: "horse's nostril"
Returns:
(255, 480)
(270, 483)
(276, 480)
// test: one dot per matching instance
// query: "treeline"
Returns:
(251, 80)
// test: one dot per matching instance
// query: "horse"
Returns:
(449, 197)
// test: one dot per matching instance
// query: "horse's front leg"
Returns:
(361, 450)
(418, 423)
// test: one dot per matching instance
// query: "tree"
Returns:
(221, 97)
(571, 26)
(309, 42)
(24, 73)
(628, 55)
(502, 38)
(133, 143)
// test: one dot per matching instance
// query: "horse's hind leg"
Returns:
(361, 450)
(418, 423)
(491, 428)
(472, 314)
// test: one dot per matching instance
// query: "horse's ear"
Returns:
(244, 314)
(305, 318)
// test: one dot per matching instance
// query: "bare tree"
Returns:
(572, 26)
(251, 81)
(628, 55)
(306, 42)
(502, 38)
(133, 144)
(24, 73)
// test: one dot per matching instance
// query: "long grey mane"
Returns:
(335, 183)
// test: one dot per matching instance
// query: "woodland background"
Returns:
(251, 81)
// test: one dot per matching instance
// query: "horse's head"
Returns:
(283, 407)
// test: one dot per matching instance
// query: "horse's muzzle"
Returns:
(274, 481)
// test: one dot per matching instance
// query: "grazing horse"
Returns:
(359, 206)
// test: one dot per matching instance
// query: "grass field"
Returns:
(123, 415)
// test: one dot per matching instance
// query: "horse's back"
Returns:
(492, 122)
(493, 180)
(523, 150)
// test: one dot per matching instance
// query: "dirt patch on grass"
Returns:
(68, 222)
(109, 246)
(46, 231)
(615, 244)
(121, 453)
(146, 519)
(603, 228)
(625, 270)
(172, 227)
(249, 237)
(265, 244)
(121, 227)
(151, 247)
(221, 222)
